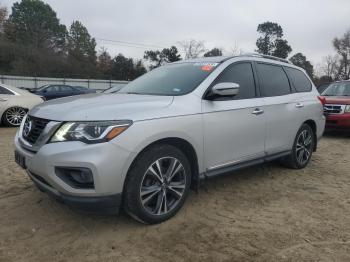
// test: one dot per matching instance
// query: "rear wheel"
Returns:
(14, 116)
(303, 146)
(157, 184)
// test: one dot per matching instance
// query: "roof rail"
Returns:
(267, 57)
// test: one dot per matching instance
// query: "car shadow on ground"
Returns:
(337, 133)
(217, 184)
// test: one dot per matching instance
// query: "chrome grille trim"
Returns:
(37, 126)
(334, 109)
(43, 135)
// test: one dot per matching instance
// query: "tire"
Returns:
(151, 196)
(13, 116)
(303, 146)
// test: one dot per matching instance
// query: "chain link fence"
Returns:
(34, 82)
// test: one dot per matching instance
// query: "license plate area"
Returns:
(20, 160)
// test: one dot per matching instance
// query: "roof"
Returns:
(212, 59)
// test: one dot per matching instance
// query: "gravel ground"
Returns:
(264, 213)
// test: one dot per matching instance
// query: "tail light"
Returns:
(322, 100)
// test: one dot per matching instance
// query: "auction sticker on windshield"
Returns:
(206, 66)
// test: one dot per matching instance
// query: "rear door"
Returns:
(234, 127)
(282, 107)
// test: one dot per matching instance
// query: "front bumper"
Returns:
(338, 121)
(107, 205)
(108, 163)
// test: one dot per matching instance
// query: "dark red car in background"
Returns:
(337, 105)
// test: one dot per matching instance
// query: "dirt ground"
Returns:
(265, 213)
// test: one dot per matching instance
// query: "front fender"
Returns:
(143, 133)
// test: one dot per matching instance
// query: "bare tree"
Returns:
(104, 62)
(330, 66)
(236, 50)
(342, 46)
(3, 16)
(193, 48)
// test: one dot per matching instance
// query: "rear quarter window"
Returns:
(299, 80)
(5, 91)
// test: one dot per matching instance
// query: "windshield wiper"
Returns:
(132, 93)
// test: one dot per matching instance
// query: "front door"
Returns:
(234, 127)
(51, 92)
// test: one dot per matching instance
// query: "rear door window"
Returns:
(274, 81)
(299, 80)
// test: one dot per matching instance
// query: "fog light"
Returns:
(81, 176)
(76, 177)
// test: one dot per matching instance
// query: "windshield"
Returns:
(170, 80)
(338, 89)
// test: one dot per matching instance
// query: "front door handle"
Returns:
(257, 111)
(299, 105)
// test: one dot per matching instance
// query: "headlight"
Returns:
(347, 109)
(90, 132)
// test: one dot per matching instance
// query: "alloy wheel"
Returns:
(163, 186)
(14, 115)
(304, 147)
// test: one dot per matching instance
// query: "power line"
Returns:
(129, 44)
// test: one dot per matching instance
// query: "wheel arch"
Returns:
(313, 126)
(182, 144)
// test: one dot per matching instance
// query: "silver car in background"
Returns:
(145, 146)
(15, 103)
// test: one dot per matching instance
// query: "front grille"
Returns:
(333, 109)
(33, 127)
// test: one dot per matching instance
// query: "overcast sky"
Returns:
(308, 25)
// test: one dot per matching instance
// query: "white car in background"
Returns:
(15, 103)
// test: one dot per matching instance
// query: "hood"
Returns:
(339, 100)
(95, 107)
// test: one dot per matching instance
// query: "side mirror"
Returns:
(225, 89)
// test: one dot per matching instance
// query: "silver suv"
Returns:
(145, 146)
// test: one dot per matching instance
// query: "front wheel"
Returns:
(157, 184)
(303, 146)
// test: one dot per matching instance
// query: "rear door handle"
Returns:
(257, 111)
(299, 105)
(3, 99)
